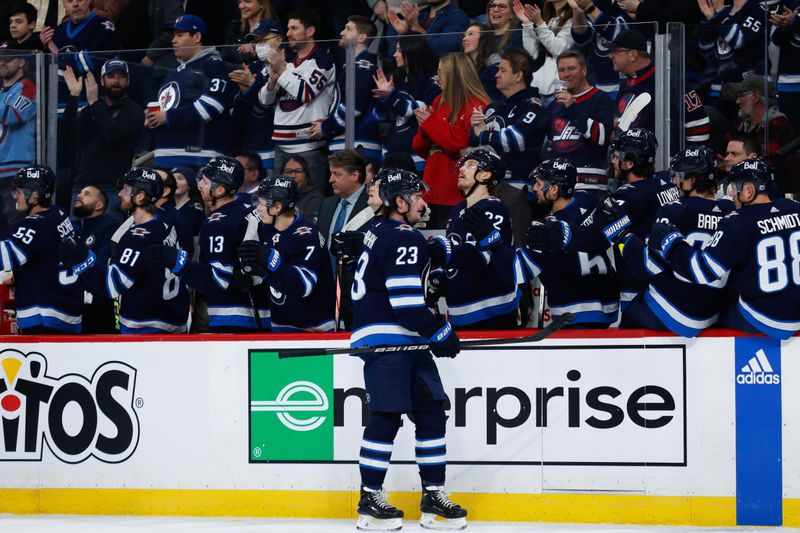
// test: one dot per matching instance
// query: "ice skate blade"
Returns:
(432, 521)
(370, 523)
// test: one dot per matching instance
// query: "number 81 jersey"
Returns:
(387, 287)
(758, 247)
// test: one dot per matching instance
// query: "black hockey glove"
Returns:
(549, 236)
(664, 238)
(444, 341)
(436, 287)
(258, 259)
(163, 256)
(476, 222)
(440, 251)
(347, 245)
(613, 220)
(242, 282)
(75, 256)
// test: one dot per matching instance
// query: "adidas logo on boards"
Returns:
(758, 371)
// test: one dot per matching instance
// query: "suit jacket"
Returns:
(328, 207)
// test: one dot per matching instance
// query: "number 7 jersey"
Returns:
(758, 248)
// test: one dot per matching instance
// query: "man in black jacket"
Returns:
(104, 134)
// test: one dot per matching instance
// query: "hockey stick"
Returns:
(632, 111)
(542, 334)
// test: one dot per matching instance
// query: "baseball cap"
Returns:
(265, 27)
(630, 40)
(114, 65)
(754, 83)
(190, 23)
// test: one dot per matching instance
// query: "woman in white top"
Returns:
(546, 32)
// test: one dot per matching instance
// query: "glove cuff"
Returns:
(614, 230)
(491, 241)
(84, 265)
(438, 332)
(669, 241)
(274, 260)
(181, 258)
(448, 249)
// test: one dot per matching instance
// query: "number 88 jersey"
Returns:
(387, 287)
(758, 247)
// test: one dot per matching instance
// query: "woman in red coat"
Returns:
(444, 132)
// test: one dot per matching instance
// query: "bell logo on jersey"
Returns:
(758, 371)
(78, 417)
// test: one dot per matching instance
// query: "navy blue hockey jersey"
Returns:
(366, 134)
(756, 251)
(581, 283)
(47, 294)
(153, 299)
(400, 106)
(196, 97)
(581, 133)
(301, 290)
(387, 288)
(788, 40)
(220, 234)
(686, 309)
(515, 128)
(481, 285)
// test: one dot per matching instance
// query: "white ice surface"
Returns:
(124, 524)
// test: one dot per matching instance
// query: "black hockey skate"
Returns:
(438, 512)
(376, 514)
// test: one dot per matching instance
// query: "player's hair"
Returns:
(103, 197)
(253, 160)
(30, 12)
(461, 83)
(750, 143)
(572, 53)
(169, 181)
(487, 45)
(520, 61)
(308, 19)
(351, 161)
(363, 25)
(265, 13)
(419, 58)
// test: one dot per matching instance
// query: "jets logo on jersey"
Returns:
(566, 137)
(405, 227)
(139, 232)
(213, 217)
(302, 230)
(170, 96)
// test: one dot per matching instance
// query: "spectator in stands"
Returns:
(302, 91)
(732, 41)
(84, 29)
(309, 198)
(513, 126)
(191, 126)
(21, 25)
(252, 11)
(253, 173)
(358, 30)
(501, 18)
(545, 33)
(157, 40)
(93, 228)
(580, 123)
(18, 109)
(251, 122)
(187, 197)
(479, 44)
(105, 133)
(444, 130)
(593, 30)
(786, 36)
(757, 113)
(440, 21)
(413, 83)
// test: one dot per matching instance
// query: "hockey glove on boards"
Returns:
(613, 220)
(75, 256)
(664, 239)
(548, 236)
(476, 222)
(163, 256)
(258, 259)
(347, 245)
(443, 338)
